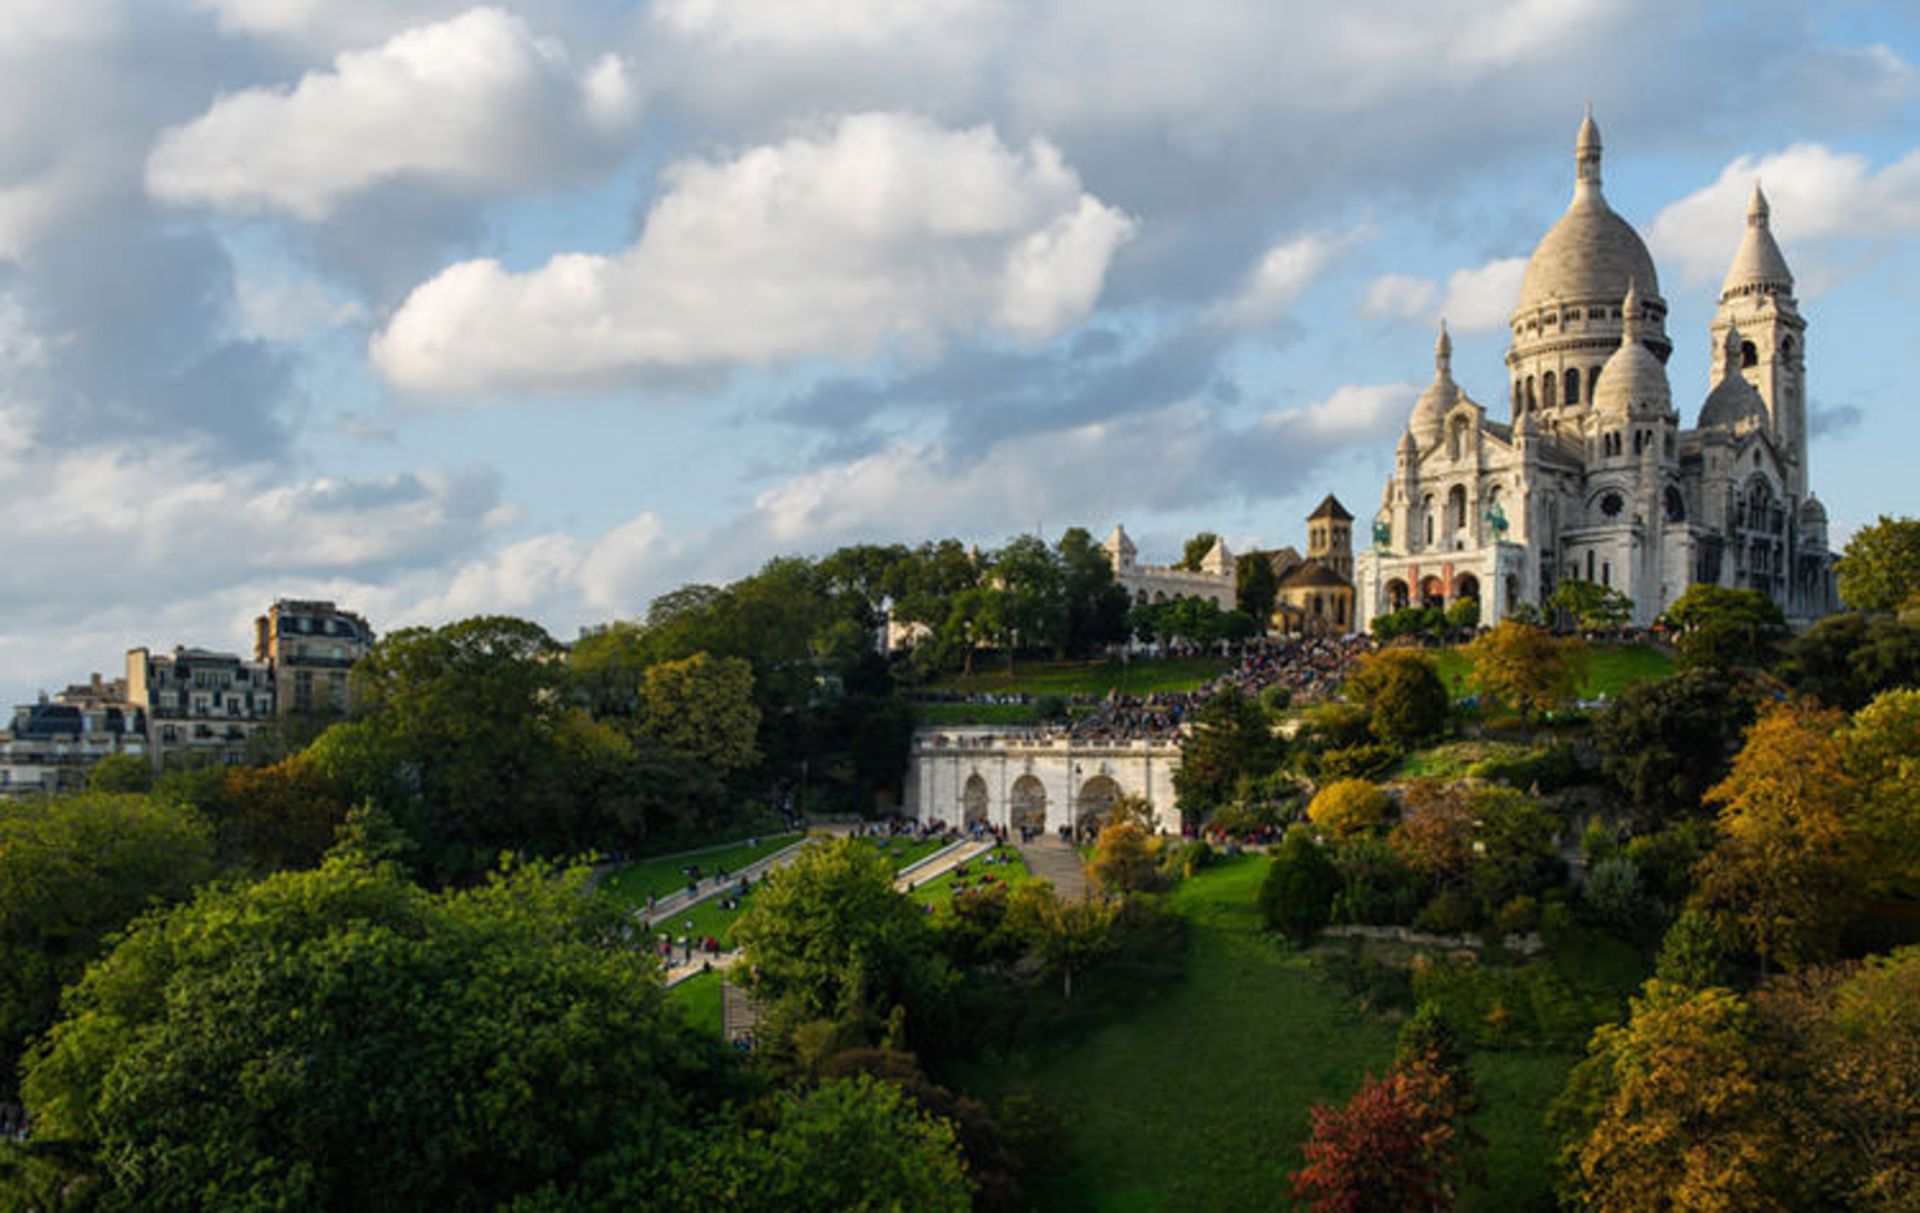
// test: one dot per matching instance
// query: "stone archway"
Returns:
(973, 801)
(1466, 585)
(1029, 803)
(1433, 592)
(1097, 798)
(1397, 595)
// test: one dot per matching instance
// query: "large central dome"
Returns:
(1592, 254)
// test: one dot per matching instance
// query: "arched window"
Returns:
(1547, 393)
(1426, 512)
(1669, 446)
(1518, 402)
(1532, 399)
(1749, 356)
(1573, 385)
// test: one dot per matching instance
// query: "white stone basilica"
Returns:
(1595, 477)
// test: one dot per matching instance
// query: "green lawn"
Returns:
(939, 891)
(1200, 1102)
(662, 875)
(1611, 670)
(976, 713)
(699, 998)
(1141, 677)
(1451, 760)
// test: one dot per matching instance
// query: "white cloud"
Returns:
(1481, 299)
(818, 23)
(883, 229)
(1173, 457)
(1399, 297)
(1286, 272)
(1818, 196)
(329, 24)
(474, 104)
(1474, 300)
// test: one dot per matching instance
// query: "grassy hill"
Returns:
(1200, 1101)
(1612, 668)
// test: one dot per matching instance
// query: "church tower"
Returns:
(1757, 300)
(1330, 536)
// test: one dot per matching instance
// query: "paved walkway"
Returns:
(680, 901)
(1052, 860)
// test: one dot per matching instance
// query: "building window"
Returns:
(1573, 385)
(1547, 393)
(1606, 573)
(1749, 356)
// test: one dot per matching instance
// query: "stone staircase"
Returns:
(739, 1015)
(1052, 860)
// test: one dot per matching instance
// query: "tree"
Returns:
(826, 937)
(1032, 587)
(282, 816)
(1066, 935)
(854, 1143)
(1231, 740)
(1435, 835)
(1882, 743)
(1300, 886)
(341, 1038)
(1096, 608)
(466, 713)
(73, 870)
(1670, 1110)
(1349, 806)
(702, 707)
(1722, 628)
(1255, 586)
(1845, 660)
(1525, 668)
(1370, 1155)
(1783, 870)
(1194, 553)
(1401, 689)
(1463, 615)
(1121, 860)
(1880, 568)
(121, 773)
(1591, 606)
(1666, 741)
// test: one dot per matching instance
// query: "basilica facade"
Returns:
(1594, 475)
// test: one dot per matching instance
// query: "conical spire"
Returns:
(1630, 313)
(1730, 351)
(1586, 151)
(1443, 354)
(1758, 266)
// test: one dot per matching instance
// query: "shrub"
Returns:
(1694, 952)
(1349, 806)
(1356, 762)
(1549, 768)
(1300, 887)
(1615, 898)
(1405, 700)
(1449, 913)
(1517, 917)
(1276, 698)
(1376, 889)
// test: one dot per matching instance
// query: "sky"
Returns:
(546, 309)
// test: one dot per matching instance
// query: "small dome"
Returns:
(1408, 447)
(1812, 511)
(1591, 253)
(1732, 400)
(1430, 411)
(1758, 264)
(1633, 380)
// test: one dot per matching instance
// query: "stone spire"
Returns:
(1443, 354)
(1430, 411)
(1758, 266)
(1586, 152)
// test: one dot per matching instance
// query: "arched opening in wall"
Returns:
(1749, 355)
(1676, 505)
(1097, 798)
(973, 801)
(1029, 804)
(1426, 516)
(1573, 385)
(1397, 594)
(1457, 438)
(1533, 397)
(1159, 597)
(1457, 509)
(1513, 594)
(1140, 597)
(1548, 394)
(1466, 585)
(1786, 348)
(1433, 592)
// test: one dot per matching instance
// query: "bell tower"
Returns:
(1757, 300)
(1330, 536)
